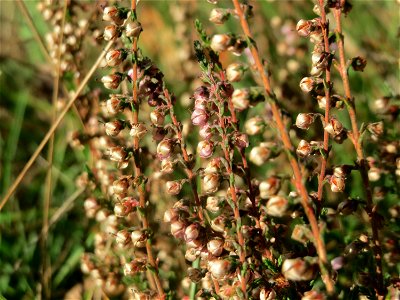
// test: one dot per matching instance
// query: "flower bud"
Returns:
(165, 149)
(304, 27)
(304, 120)
(192, 232)
(121, 186)
(210, 183)
(219, 224)
(220, 268)
(277, 206)
(215, 246)
(321, 102)
(167, 166)
(337, 184)
(313, 295)
(219, 16)
(260, 154)
(138, 130)
(240, 140)
(114, 105)
(138, 238)
(298, 269)
(316, 71)
(235, 72)
(334, 127)
(199, 117)
(114, 128)
(307, 84)
(205, 148)
(111, 32)
(157, 118)
(123, 237)
(302, 233)
(192, 254)
(214, 204)
(114, 14)
(171, 215)
(220, 42)
(117, 154)
(254, 125)
(269, 187)
(133, 29)
(111, 81)
(206, 132)
(241, 99)
(173, 187)
(178, 229)
(304, 149)
(91, 207)
(115, 57)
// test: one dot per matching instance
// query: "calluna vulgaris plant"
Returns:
(235, 191)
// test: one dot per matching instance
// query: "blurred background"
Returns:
(371, 30)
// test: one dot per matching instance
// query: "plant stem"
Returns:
(318, 240)
(324, 158)
(363, 165)
(138, 168)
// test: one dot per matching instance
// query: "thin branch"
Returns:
(363, 165)
(138, 168)
(318, 239)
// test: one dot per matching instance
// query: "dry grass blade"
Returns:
(18, 180)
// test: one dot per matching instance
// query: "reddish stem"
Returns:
(318, 240)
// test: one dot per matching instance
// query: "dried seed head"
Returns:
(192, 232)
(214, 204)
(210, 183)
(307, 84)
(220, 42)
(313, 295)
(114, 105)
(215, 246)
(205, 148)
(241, 99)
(254, 125)
(138, 238)
(206, 132)
(121, 186)
(334, 127)
(117, 154)
(122, 237)
(219, 16)
(304, 149)
(173, 187)
(304, 28)
(165, 148)
(157, 118)
(277, 206)
(298, 269)
(337, 184)
(111, 81)
(199, 117)
(260, 154)
(171, 215)
(220, 268)
(111, 32)
(269, 187)
(138, 130)
(113, 128)
(133, 29)
(178, 229)
(304, 120)
(114, 14)
(115, 57)
(235, 72)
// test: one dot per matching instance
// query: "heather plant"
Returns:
(238, 162)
